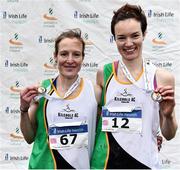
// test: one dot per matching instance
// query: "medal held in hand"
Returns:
(41, 90)
(156, 96)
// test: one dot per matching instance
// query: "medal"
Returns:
(44, 92)
(41, 90)
(156, 97)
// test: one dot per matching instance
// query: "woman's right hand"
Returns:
(26, 97)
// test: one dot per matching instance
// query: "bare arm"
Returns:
(166, 87)
(98, 92)
(28, 110)
(98, 88)
(100, 78)
(100, 83)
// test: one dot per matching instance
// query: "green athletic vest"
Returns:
(41, 156)
(101, 149)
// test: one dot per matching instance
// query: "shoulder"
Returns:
(100, 77)
(164, 77)
(100, 72)
(106, 67)
(87, 84)
(103, 73)
(94, 87)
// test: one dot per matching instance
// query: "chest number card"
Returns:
(121, 121)
(66, 137)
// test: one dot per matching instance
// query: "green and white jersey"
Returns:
(127, 129)
(66, 129)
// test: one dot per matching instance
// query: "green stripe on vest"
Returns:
(41, 157)
(101, 146)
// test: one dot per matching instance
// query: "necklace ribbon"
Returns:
(45, 91)
(146, 64)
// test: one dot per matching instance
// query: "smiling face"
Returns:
(129, 38)
(69, 57)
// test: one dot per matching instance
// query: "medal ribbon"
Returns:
(68, 93)
(128, 75)
(72, 87)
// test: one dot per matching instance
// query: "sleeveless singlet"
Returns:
(62, 116)
(128, 149)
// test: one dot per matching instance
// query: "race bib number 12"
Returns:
(121, 121)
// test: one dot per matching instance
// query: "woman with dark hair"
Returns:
(137, 98)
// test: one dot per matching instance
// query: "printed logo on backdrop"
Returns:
(90, 18)
(14, 18)
(111, 47)
(159, 42)
(88, 64)
(166, 64)
(11, 157)
(161, 16)
(13, 112)
(50, 68)
(88, 44)
(49, 18)
(111, 39)
(15, 90)
(16, 138)
(16, 66)
(12, 0)
(15, 43)
(46, 40)
(166, 163)
(16, 134)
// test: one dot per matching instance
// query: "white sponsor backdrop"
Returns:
(27, 32)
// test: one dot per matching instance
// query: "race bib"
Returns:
(66, 136)
(122, 119)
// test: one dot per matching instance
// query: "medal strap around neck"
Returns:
(147, 87)
(72, 87)
(68, 93)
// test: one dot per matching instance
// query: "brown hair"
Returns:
(72, 33)
(129, 11)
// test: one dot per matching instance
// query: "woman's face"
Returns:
(69, 57)
(129, 38)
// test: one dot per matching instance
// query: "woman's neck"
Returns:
(133, 65)
(63, 83)
(135, 68)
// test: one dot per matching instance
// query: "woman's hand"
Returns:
(26, 97)
(168, 102)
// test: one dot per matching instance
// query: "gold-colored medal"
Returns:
(41, 90)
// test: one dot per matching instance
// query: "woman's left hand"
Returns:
(168, 102)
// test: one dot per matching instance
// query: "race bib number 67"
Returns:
(66, 137)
